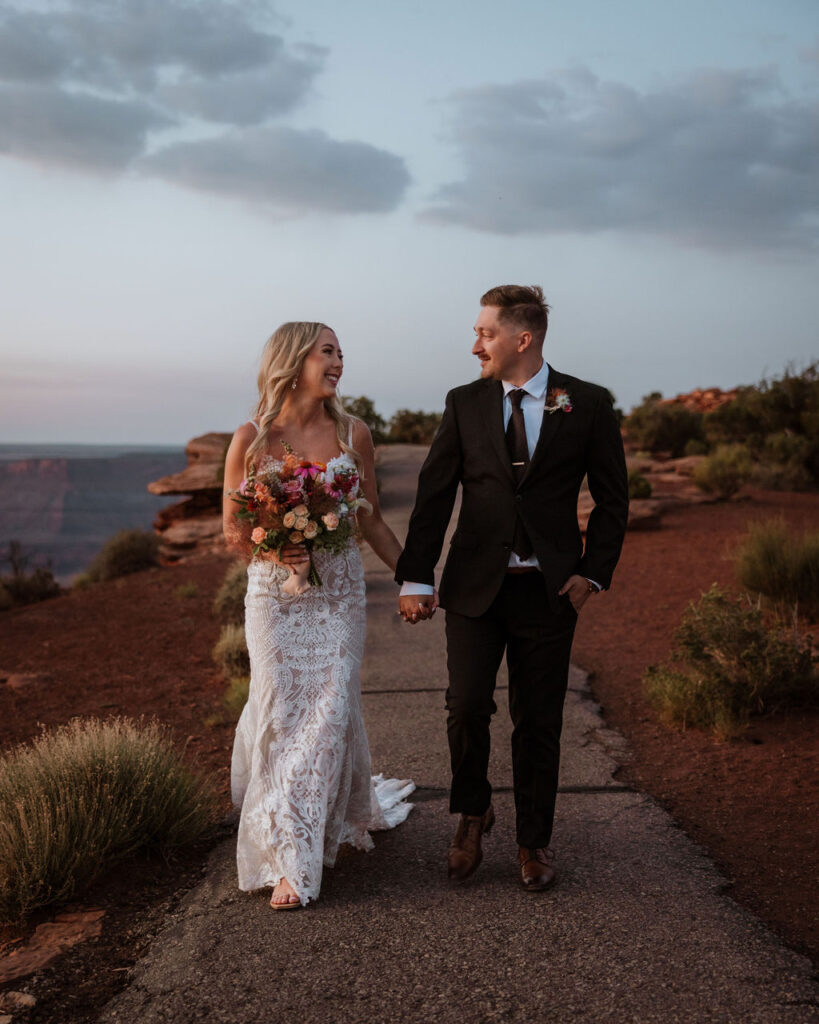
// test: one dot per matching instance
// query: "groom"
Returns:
(519, 441)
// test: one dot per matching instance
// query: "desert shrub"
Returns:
(82, 797)
(21, 586)
(186, 590)
(28, 588)
(230, 651)
(364, 409)
(126, 552)
(777, 419)
(695, 446)
(660, 427)
(638, 485)
(235, 696)
(733, 666)
(229, 603)
(724, 471)
(413, 427)
(783, 462)
(784, 566)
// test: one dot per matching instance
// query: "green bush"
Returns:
(230, 651)
(235, 696)
(185, 591)
(363, 408)
(638, 486)
(734, 666)
(695, 446)
(783, 566)
(657, 426)
(413, 427)
(27, 588)
(229, 603)
(84, 796)
(126, 552)
(724, 471)
(777, 419)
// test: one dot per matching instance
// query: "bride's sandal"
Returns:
(291, 900)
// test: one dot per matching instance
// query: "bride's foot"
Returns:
(284, 897)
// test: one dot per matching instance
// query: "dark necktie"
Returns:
(519, 454)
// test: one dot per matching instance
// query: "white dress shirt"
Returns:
(532, 405)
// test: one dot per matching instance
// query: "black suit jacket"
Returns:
(470, 449)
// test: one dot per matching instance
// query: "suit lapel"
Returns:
(552, 422)
(492, 410)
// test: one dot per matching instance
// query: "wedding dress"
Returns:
(301, 762)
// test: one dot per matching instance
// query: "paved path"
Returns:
(638, 928)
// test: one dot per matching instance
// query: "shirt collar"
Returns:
(536, 386)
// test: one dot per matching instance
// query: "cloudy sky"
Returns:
(181, 176)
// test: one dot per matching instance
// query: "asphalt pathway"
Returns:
(639, 927)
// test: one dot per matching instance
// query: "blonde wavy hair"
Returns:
(282, 360)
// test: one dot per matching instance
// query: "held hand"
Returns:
(291, 554)
(417, 607)
(577, 587)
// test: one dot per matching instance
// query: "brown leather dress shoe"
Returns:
(465, 852)
(536, 871)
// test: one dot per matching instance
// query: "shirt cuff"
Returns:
(594, 583)
(408, 589)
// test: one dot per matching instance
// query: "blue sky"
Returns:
(178, 178)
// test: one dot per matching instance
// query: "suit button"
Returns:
(518, 497)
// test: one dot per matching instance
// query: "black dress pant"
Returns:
(538, 643)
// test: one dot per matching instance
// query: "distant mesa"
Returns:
(703, 399)
(194, 524)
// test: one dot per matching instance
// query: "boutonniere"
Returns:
(557, 400)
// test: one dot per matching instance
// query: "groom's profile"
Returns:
(519, 441)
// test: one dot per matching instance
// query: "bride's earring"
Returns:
(293, 385)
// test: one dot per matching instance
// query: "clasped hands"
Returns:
(417, 607)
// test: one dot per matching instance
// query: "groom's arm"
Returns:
(608, 485)
(434, 500)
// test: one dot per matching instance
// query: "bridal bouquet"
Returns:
(300, 503)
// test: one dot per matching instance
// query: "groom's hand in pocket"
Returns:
(417, 607)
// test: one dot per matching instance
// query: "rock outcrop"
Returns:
(703, 399)
(194, 524)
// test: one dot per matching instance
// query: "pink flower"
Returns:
(331, 521)
(259, 535)
(310, 530)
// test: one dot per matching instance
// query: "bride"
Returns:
(301, 763)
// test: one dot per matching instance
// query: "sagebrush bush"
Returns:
(733, 666)
(660, 427)
(638, 485)
(781, 564)
(126, 552)
(27, 588)
(229, 603)
(85, 795)
(409, 426)
(695, 446)
(185, 591)
(724, 471)
(236, 693)
(230, 651)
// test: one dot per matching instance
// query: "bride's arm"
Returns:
(373, 528)
(237, 531)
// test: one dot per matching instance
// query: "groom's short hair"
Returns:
(523, 306)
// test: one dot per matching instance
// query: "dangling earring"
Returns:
(295, 382)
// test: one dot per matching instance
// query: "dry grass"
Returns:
(84, 796)
(782, 565)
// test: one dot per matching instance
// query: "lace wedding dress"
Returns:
(301, 762)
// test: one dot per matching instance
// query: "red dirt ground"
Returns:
(752, 803)
(138, 646)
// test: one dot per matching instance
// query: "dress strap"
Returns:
(256, 425)
(350, 435)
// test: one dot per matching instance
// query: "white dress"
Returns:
(301, 763)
